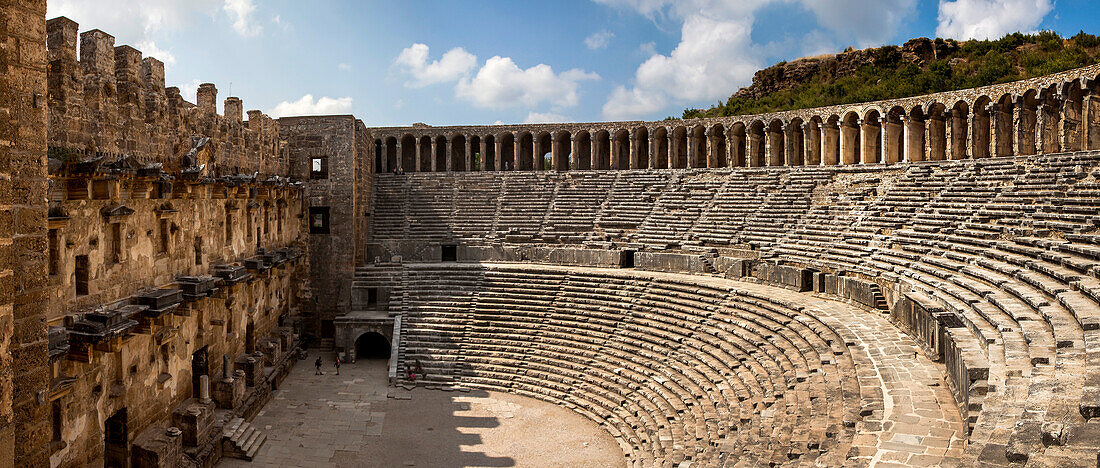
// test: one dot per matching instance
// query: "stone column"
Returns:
(616, 148)
(435, 155)
(1016, 126)
(810, 155)
(386, 157)
(399, 155)
(1090, 120)
(631, 141)
(690, 150)
(468, 156)
(499, 142)
(448, 153)
(517, 151)
(555, 151)
(417, 162)
(484, 153)
(652, 142)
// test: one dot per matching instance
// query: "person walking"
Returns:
(318, 364)
(337, 364)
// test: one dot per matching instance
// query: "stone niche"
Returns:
(157, 447)
(195, 419)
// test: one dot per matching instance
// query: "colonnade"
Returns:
(1057, 118)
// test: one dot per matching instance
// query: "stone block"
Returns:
(194, 419)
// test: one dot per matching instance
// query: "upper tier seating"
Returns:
(1011, 246)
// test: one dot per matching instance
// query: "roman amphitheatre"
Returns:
(907, 282)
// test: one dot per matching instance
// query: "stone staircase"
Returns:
(241, 439)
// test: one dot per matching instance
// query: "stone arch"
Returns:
(458, 153)
(1071, 131)
(795, 154)
(620, 149)
(1027, 107)
(697, 146)
(582, 147)
(439, 158)
(958, 130)
(893, 135)
(389, 162)
(980, 122)
(1050, 120)
(639, 141)
(561, 142)
(757, 147)
(1002, 125)
(408, 152)
(378, 150)
(914, 132)
(507, 156)
(476, 157)
(870, 133)
(489, 159)
(602, 149)
(775, 137)
(372, 345)
(850, 138)
(659, 137)
(525, 151)
(811, 147)
(717, 147)
(678, 148)
(830, 140)
(424, 159)
(736, 144)
(546, 156)
(935, 121)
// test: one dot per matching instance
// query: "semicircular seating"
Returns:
(681, 368)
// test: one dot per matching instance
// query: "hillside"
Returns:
(920, 66)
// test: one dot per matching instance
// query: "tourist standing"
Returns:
(318, 364)
(337, 364)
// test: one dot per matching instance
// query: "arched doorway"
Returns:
(372, 345)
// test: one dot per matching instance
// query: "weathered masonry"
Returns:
(157, 264)
(1060, 112)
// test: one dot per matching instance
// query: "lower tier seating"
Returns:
(685, 368)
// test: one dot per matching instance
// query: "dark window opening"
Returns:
(55, 251)
(81, 275)
(450, 253)
(372, 296)
(117, 441)
(328, 329)
(627, 259)
(115, 254)
(318, 168)
(162, 246)
(318, 220)
(56, 421)
(200, 366)
(249, 230)
(198, 250)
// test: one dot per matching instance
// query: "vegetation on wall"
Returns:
(891, 74)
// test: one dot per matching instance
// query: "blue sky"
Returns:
(481, 62)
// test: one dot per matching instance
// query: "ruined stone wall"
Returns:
(149, 194)
(341, 146)
(111, 100)
(23, 345)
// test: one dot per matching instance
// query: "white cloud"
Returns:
(277, 20)
(190, 91)
(546, 117)
(240, 11)
(990, 19)
(149, 48)
(454, 64)
(308, 106)
(647, 49)
(500, 83)
(863, 23)
(717, 54)
(598, 40)
(344, 67)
